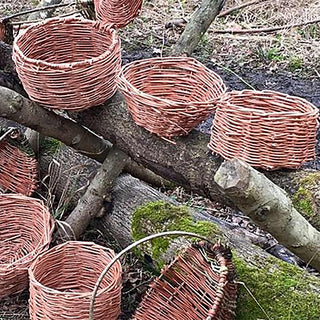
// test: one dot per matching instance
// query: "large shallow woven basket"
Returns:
(117, 12)
(170, 96)
(266, 129)
(26, 227)
(68, 63)
(198, 284)
(62, 280)
(18, 169)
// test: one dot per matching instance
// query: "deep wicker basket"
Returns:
(198, 284)
(18, 169)
(26, 227)
(62, 279)
(170, 96)
(68, 63)
(117, 12)
(266, 129)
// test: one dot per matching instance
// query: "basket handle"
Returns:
(127, 249)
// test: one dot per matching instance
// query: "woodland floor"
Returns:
(287, 61)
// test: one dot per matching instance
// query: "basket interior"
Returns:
(267, 102)
(75, 269)
(55, 42)
(21, 231)
(176, 81)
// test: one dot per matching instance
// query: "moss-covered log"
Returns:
(283, 291)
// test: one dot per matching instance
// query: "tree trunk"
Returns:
(270, 208)
(197, 27)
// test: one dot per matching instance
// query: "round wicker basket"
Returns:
(117, 12)
(198, 284)
(18, 170)
(266, 129)
(170, 96)
(26, 227)
(68, 63)
(62, 280)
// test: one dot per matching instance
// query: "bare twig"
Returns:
(241, 6)
(271, 29)
(54, 6)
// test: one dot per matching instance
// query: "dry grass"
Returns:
(295, 50)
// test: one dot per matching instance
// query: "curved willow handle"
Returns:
(133, 245)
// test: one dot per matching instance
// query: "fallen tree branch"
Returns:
(197, 26)
(92, 202)
(54, 6)
(44, 14)
(240, 6)
(270, 208)
(267, 30)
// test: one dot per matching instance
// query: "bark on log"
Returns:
(189, 161)
(44, 14)
(197, 27)
(270, 208)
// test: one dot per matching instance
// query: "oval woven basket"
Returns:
(266, 129)
(26, 227)
(198, 284)
(117, 12)
(68, 63)
(18, 170)
(170, 96)
(62, 279)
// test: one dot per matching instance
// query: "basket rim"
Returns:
(63, 293)
(67, 65)
(121, 79)
(40, 245)
(226, 100)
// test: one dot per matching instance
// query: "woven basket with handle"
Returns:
(266, 129)
(68, 63)
(170, 96)
(62, 280)
(26, 227)
(198, 284)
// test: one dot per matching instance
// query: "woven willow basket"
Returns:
(266, 129)
(117, 12)
(198, 284)
(26, 227)
(68, 63)
(170, 96)
(18, 169)
(62, 279)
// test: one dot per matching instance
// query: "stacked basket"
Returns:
(26, 227)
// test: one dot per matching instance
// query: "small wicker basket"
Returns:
(117, 12)
(170, 96)
(68, 63)
(266, 129)
(26, 227)
(62, 279)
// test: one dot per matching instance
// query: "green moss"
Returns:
(284, 291)
(50, 146)
(161, 216)
(304, 200)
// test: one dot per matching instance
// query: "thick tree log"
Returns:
(266, 277)
(92, 203)
(188, 160)
(197, 27)
(270, 208)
